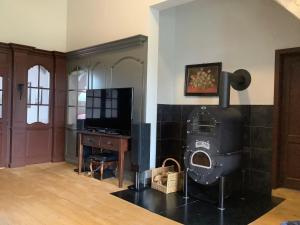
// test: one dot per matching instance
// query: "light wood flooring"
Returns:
(53, 194)
(288, 210)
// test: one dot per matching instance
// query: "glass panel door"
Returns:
(38, 95)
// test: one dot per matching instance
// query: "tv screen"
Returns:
(109, 110)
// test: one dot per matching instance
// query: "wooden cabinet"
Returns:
(110, 143)
(90, 140)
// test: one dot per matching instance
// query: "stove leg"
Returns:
(137, 181)
(221, 193)
(136, 186)
(243, 184)
(185, 187)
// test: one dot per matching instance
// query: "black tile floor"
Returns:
(196, 212)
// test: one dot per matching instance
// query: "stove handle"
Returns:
(230, 153)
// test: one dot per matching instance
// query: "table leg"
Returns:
(121, 168)
(80, 155)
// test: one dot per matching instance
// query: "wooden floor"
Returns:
(53, 194)
(288, 210)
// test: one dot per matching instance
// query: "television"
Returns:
(109, 110)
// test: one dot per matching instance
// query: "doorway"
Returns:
(286, 129)
(32, 105)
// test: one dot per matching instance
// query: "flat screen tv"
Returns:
(109, 110)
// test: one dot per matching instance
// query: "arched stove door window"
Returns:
(38, 95)
(201, 159)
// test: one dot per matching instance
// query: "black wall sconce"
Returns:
(20, 88)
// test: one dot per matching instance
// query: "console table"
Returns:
(112, 142)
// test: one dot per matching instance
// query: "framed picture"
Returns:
(202, 79)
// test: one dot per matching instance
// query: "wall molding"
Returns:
(133, 41)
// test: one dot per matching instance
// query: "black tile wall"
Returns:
(171, 130)
(257, 152)
(261, 137)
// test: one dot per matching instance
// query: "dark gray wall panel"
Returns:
(128, 72)
(99, 74)
(112, 65)
(70, 153)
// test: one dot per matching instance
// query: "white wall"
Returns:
(241, 34)
(166, 56)
(42, 24)
(152, 68)
(94, 22)
(98, 21)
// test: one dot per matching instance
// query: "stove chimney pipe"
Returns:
(239, 80)
(224, 99)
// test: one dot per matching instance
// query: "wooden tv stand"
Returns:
(112, 142)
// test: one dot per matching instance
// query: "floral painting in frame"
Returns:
(202, 79)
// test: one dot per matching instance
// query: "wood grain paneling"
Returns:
(23, 143)
(59, 109)
(38, 145)
(18, 147)
(5, 72)
(18, 116)
(58, 154)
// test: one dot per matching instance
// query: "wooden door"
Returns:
(5, 78)
(38, 106)
(289, 119)
(38, 111)
(31, 139)
(33, 92)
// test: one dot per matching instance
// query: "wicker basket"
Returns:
(166, 179)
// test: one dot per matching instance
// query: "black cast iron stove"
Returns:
(214, 143)
(214, 137)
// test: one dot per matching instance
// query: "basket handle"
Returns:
(174, 160)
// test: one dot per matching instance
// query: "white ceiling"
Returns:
(291, 5)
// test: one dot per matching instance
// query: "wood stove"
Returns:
(214, 143)
(214, 137)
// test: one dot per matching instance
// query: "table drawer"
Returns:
(90, 140)
(109, 143)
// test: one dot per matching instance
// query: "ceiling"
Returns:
(291, 5)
